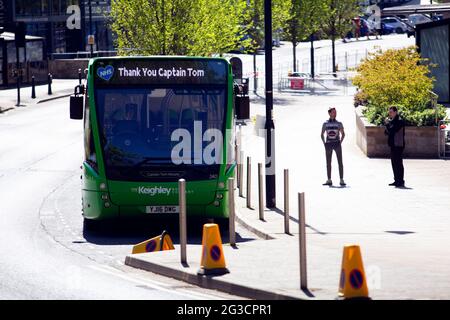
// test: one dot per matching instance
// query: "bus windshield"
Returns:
(136, 126)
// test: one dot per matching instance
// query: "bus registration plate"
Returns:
(162, 209)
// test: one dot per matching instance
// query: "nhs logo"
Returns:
(105, 73)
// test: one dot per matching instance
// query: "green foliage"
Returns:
(304, 18)
(397, 77)
(424, 117)
(339, 21)
(177, 27)
(215, 28)
(339, 18)
(360, 99)
(254, 20)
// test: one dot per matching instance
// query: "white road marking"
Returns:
(150, 283)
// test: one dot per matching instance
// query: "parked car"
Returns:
(414, 20)
(387, 28)
(398, 25)
(299, 75)
(437, 17)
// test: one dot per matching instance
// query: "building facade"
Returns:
(64, 24)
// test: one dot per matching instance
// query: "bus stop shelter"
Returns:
(432, 40)
(32, 59)
(435, 8)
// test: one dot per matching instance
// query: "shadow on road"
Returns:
(133, 231)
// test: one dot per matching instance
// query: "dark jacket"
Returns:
(395, 130)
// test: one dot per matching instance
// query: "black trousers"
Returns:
(329, 147)
(397, 164)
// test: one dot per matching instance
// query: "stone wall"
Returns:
(421, 142)
(67, 68)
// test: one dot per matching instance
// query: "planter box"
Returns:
(421, 142)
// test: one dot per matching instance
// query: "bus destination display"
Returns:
(158, 71)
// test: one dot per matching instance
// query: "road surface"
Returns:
(44, 253)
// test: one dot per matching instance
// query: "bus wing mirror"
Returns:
(76, 104)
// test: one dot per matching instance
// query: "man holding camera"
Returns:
(395, 130)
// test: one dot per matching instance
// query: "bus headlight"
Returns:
(103, 186)
(216, 203)
(105, 196)
(107, 205)
(220, 196)
(221, 185)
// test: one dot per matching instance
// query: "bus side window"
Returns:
(89, 147)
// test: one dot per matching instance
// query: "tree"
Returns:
(254, 22)
(216, 27)
(305, 18)
(176, 27)
(339, 21)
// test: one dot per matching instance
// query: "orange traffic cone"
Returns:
(352, 284)
(213, 260)
(159, 243)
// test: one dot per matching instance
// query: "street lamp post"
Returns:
(90, 27)
(270, 127)
(311, 38)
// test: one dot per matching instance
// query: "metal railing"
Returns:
(444, 139)
(339, 84)
(82, 54)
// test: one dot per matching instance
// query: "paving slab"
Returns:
(60, 88)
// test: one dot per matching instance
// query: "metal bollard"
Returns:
(17, 75)
(346, 61)
(302, 240)
(238, 165)
(241, 175)
(239, 137)
(49, 80)
(249, 182)
(182, 204)
(260, 192)
(238, 156)
(286, 201)
(236, 152)
(33, 88)
(231, 215)
(79, 76)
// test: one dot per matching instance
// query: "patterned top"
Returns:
(332, 129)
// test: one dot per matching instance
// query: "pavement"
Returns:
(402, 232)
(60, 88)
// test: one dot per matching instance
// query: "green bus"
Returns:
(148, 122)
